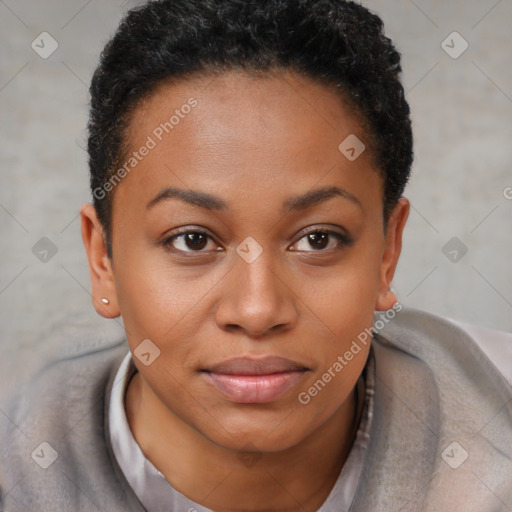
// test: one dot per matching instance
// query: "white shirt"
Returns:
(158, 495)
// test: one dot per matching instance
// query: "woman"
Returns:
(247, 162)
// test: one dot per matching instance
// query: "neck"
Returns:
(299, 478)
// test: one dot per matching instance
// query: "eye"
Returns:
(322, 240)
(190, 241)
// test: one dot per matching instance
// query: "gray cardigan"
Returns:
(441, 438)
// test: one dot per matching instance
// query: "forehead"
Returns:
(251, 134)
(236, 104)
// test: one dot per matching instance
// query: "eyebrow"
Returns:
(316, 196)
(211, 202)
(194, 197)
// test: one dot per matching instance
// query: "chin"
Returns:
(259, 431)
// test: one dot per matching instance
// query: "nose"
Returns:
(256, 300)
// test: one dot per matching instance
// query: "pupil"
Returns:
(195, 240)
(318, 240)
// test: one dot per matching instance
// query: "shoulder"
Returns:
(496, 345)
(64, 385)
(443, 414)
(427, 336)
(53, 448)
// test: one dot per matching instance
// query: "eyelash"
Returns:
(342, 239)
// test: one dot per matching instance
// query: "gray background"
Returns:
(462, 112)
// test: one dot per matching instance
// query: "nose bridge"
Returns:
(254, 298)
(259, 281)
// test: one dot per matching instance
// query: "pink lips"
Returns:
(249, 380)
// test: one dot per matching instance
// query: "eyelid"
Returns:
(183, 230)
(324, 228)
(343, 237)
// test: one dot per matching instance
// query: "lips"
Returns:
(255, 380)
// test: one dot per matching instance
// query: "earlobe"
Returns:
(104, 296)
(386, 300)
(393, 246)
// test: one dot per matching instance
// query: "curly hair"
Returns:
(334, 42)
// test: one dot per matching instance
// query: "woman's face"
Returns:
(216, 260)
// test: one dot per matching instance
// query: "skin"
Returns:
(254, 142)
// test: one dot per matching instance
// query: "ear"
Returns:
(392, 248)
(100, 267)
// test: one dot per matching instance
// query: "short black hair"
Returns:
(335, 42)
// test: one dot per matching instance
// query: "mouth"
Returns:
(247, 380)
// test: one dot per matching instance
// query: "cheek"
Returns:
(155, 298)
(345, 297)
(344, 302)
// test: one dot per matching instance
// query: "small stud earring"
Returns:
(105, 301)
